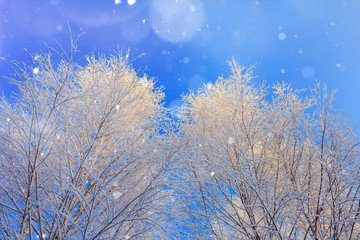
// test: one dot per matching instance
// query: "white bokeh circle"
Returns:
(176, 20)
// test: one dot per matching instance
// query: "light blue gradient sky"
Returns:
(188, 42)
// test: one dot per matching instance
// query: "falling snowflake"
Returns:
(231, 140)
(118, 107)
(186, 60)
(36, 70)
(282, 71)
(131, 2)
(117, 2)
(282, 36)
(59, 27)
(192, 8)
(212, 174)
(116, 194)
(8, 119)
(144, 82)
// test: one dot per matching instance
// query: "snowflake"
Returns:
(36, 70)
(144, 81)
(116, 194)
(131, 2)
(282, 36)
(231, 140)
(186, 60)
(192, 8)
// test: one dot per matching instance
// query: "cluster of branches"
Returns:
(287, 168)
(90, 153)
(81, 156)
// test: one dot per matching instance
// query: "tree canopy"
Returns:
(90, 152)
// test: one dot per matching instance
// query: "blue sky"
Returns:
(186, 43)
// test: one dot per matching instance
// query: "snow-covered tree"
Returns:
(88, 152)
(286, 168)
(81, 156)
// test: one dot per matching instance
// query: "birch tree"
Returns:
(80, 152)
